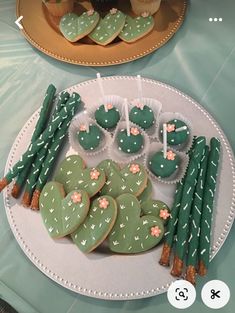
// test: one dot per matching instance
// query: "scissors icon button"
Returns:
(215, 294)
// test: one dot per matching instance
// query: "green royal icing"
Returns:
(91, 140)
(107, 119)
(147, 193)
(177, 138)
(132, 233)
(60, 214)
(74, 27)
(136, 28)
(122, 181)
(73, 175)
(108, 28)
(129, 144)
(96, 226)
(162, 167)
(154, 208)
(144, 118)
(208, 201)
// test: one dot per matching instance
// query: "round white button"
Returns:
(181, 294)
(215, 294)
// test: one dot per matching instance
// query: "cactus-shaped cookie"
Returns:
(74, 27)
(73, 175)
(147, 193)
(136, 28)
(131, 179)
(62, 215)
(96, 227)
(156, 208)
(132, 233)
(108, 28)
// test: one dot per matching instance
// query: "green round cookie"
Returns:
(107, 119)
(176, 138)
(156, 208)
(91, 140)
(163, 167)
(144, 118)
(129, 144)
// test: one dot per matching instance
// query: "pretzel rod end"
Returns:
(177, 267)
(165, 257)
(3, 183)
(191, 274)
(35, 200)
(202, 270)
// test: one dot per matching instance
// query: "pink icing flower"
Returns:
(113, 11)
(170, 128)
(134, 168)
(140, 105)
(76, 197)
(155, 231)
(90, 12)
(82, 128)
(145, 14)
(170, 155)
(164, 214)
(135, 131)
(94, 174)
(109, 106)
(103, 203)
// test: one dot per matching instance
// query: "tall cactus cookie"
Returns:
(98, 224)
(132, 233)
(62, 215)
(136, 28)
(73, 175)
(156, 208)
(74, 27)
(108, 28)
(131, 179)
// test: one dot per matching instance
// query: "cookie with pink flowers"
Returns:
(156, 208)
(97, 225)
(133, 233)
(62, 214)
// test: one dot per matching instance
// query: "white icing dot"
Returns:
(161, 165)
(128, 150)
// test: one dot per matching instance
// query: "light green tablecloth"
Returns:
(199, 60)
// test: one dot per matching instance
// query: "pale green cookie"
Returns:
(73, 175)
(62, 215)
(147, 193)
(97, 225)
(131, 179)
(132, 233)
(74, 27)
(108, 28)
(136, 28)
(156, 208)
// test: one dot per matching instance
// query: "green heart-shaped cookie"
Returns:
(73, 175)
(97, 225)
(132, 233)
(131, 179)
(62, 215)
(108, 28)
(156, 208)
(74, 27)
(136, 28)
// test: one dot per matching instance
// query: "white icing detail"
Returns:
(83, 242)
(93, 226)
(122, 225)
(137, 238)
(145, 222)
(115, 243)
(203, 251)
(185, 225)
(51, 229)
(207, 239)
(52, 210)
(107, 220)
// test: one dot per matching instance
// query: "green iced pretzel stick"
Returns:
(207, 208)
(186, 203)
(196, 219)
(38, 161)
(39, 128)
(40, 142)
(50, 159)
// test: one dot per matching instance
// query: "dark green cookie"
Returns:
(91, 140)
(107, 119)
(163, 167)
(177, 138)
(144, 118)
(129, 144)
(156, 208)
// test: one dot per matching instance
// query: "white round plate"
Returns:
(109, 276)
